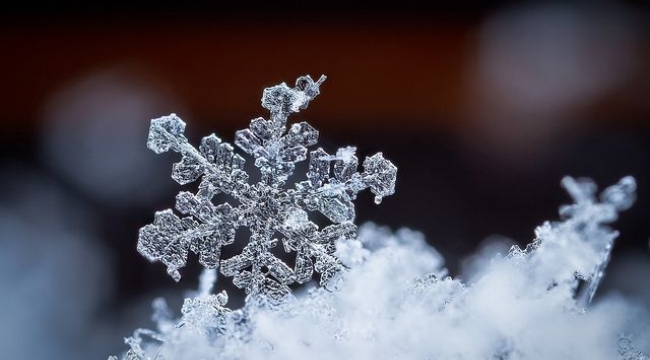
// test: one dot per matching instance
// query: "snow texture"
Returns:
(267, 207)
(396, 301)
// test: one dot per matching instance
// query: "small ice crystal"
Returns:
(268, 207)
(627, 351)
(578, 249)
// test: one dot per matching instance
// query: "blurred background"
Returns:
(483, 108)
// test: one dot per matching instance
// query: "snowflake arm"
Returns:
(208, 227)
(274, 151)
(332, 193)
(303, 237)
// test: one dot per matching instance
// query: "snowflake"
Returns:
(266, 208)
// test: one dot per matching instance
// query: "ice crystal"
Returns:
(267, 208)
(579, 247)
(627, 351)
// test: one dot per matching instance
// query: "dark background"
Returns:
(483, 108)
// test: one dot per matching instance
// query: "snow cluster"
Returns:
(392, 297)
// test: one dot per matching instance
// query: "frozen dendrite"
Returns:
(268, 208)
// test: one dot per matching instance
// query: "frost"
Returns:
(395, 300)
(267, 208)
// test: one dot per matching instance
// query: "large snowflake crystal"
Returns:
(267, 208)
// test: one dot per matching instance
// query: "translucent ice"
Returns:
(268, 207)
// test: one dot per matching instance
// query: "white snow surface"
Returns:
(396, 302)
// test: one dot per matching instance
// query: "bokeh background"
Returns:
(484, 108)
